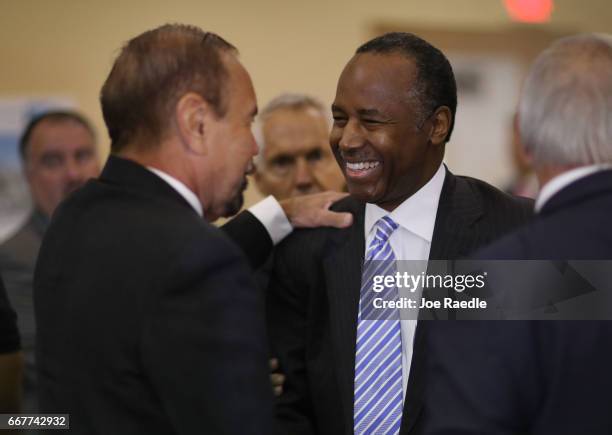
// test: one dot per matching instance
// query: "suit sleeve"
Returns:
(286, 309)
(251, 236)
(204, 345)
(9, 336)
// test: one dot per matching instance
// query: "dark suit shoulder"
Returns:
(9, 335)
(251, 236)
(153, 229)
(100, 202)
(572, 234)
(308, 242)
(500, 212)
(348, 204)
(21, 247)
(496, 200)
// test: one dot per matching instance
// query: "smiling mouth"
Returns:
(362, 169)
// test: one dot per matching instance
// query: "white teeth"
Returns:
(361, 165)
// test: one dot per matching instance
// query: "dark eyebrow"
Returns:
(335, 108)
(370, 113)
(51, 153)
(254, 112)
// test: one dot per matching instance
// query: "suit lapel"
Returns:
(342, 269)
(453, 238)
(454, 235)
(458, 209)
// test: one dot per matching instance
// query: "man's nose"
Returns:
(75, 171)
(254, 145)
(303, 176)
(352, 136)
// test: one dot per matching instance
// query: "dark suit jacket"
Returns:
(9, 337)
(148, 318)
(17, 260)
(538, 377)
(314, 296)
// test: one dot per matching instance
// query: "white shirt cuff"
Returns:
(270, 213)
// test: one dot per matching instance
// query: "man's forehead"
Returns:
(377, 74)
(294, 117)
(241, 87)
(60, 134)
(67, 126)
(291, 131)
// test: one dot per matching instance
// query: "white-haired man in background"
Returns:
(294, 154)
(549, 377)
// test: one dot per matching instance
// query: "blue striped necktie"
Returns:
(378, 359)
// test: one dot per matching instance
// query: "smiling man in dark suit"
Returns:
(545, 377)
(394, 112)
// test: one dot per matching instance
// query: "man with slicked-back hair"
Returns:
(148, 317)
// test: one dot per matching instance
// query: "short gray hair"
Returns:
(282, 102)
(565, 109)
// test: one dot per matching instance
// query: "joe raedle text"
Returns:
(448, 303)
(424, 281)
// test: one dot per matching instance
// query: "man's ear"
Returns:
(256, 173)
(192, 114)
(523, 155)
(441, 122)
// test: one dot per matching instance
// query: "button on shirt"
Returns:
(416, 217)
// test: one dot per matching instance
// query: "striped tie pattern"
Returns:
(378, 360)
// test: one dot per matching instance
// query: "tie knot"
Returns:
(384, 228)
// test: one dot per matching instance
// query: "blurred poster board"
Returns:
(15, 113)
(489, 67)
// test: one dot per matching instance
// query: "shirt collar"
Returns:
(417, 213)
(558, 183)
(181, 189)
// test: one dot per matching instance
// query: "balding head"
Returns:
(179, 100)
(152, 72)
(565, 112)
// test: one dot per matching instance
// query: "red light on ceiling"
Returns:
(529, 11)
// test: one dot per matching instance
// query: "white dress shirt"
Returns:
(181, 189)
(563, 180)
(416, 217)
(268, 211)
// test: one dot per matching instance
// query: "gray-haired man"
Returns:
(294, 154)
(549, 377)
